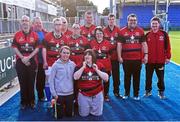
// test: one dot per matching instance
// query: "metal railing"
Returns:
(5, 43)
(10, 26)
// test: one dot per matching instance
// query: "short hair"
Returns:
(98, 28)
(73, 26)
(88, 12)
(131, 15)
(64, 47)
(25, 16)
(155, 18)
(56, 19)
(64, 20)
(92, 53)
(111, 15)
(36, 18)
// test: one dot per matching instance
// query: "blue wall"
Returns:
(145, 13)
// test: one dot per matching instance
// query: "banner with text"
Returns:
(7, 65)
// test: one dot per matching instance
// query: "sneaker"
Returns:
(42, 100)
(106, 98)
(22, 107)
(118, 95)
(161, 95)
(125, 97)
(136, 98)
(49, 105)
(147, 94)
(32, 105)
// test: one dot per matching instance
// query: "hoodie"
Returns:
(61, 78)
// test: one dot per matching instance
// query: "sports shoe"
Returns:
(125, 97)
(49, 105)
(136, 98)
(22, 107)
(161, 95)
(106, 98)
(118, 95)
(42, 100)
(32, 105)
(147, 94)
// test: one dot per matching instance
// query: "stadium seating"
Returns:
(174, 16)
(145, 13)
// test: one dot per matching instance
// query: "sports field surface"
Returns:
(147, 109)
(175, 45)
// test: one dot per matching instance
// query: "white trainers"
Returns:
(147, 94)
(136, 98)
(161, 95)
(106, 98)
(125, 97)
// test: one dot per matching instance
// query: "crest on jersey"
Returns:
(31, 39)
(57, 45)
(52, 41)
(126, 34)
(137, 34)
(83, 32)
(93, 32)
(90, 73)
(116, 34)
(112, 38)
(77, 45)
(21, 39)
(89, 35)
(132, 37)
(161, 38)
(104, 48)
(26, 46)
(62, 42)
(99, 51)
(80, 41)
(105, 35)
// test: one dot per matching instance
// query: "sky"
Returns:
(101, 4)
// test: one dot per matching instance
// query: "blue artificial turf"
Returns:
(147, 109)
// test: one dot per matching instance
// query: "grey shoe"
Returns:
(161, 95)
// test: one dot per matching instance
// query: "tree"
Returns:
(106, 11)
(70, 5)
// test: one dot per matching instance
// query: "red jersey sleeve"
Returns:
(14, 43)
